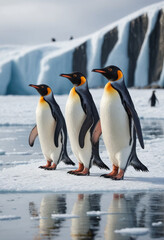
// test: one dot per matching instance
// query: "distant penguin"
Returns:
(51, 129)
(82, 122)
(119, 123)
(153, 99)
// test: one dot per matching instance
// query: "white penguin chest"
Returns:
(114, 121)
(46, 126)
(74, 115)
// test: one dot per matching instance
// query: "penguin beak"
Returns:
(98, 70)
(34, 86)
(65, 75)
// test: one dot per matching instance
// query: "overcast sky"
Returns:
(37, 21)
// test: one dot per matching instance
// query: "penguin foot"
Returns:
(107, 175)
(52, 167)
(46, 166)
(111, 174)
(72, 172)
(82, 174)
(85, 172)
(42, 167)
(119, 176)
(79, 173)
(116, 178)
(80, 169)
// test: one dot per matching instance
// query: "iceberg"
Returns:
(127, 43)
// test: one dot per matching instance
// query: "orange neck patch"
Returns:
(42, 99)
(109, 88)
(73, 92)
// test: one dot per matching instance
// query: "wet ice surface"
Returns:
(14, 148)
(19, 165)
(38, 204)
(115, 215)
(127, 216)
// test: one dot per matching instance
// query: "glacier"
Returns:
(135, 42)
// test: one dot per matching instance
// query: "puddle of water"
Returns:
(82, 216)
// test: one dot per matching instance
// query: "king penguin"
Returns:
(51, 129)
(82, 122)
(120, 124)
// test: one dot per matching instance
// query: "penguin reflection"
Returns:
(121, 216)
(50, 204)
(85, 227)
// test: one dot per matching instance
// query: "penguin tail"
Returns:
(67, 160)
(99, 163)
(138, 165)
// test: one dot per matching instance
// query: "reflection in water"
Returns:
(85, 227)
(50, 204)
(124, 210)
(121, 216)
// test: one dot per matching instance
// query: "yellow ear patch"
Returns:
(48, 91)
(83, 80)
(120, 74)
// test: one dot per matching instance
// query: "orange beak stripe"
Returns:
(98, 70)
(34, 86)
(64, 75)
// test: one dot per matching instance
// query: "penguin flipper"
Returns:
(129, 107)
(33, 135)
(85, 127)
(64, 155)
(67, 160)
(138, 165)
(57, 115)
(96, 132)
(57, 132)
(99, 163)
(96, 157)
(90, 110)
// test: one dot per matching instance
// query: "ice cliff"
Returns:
(134, 43)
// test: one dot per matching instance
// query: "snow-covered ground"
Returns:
(20, 111)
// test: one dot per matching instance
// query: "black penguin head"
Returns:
(112, 73)
(42, 89)
(76, 78)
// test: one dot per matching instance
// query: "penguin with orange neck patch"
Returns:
(51, 129)
(119, 123)
(83, 124)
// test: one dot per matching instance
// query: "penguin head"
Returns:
(76, 78)
(112, 73)
(42, 89)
